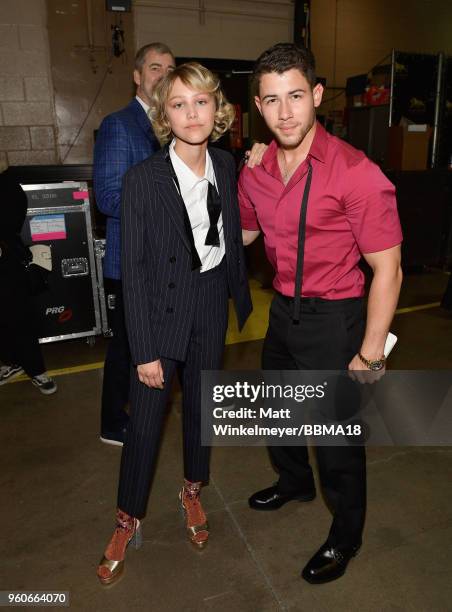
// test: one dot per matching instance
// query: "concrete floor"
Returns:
(58, 486)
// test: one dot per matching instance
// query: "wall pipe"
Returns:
(435, 139)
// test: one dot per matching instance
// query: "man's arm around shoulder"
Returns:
(248, 217)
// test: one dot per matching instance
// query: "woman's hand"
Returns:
(151, 374)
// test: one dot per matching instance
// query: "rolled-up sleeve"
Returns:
(248, 217)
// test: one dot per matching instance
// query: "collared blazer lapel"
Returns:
(168, 193)
(224, 190)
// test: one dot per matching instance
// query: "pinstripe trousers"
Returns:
(147, 405)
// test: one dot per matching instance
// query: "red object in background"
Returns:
(236, 131)
(376, 95)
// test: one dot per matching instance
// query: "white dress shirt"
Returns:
(145, 106)
(194, 193)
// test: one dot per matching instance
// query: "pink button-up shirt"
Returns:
(351, 210)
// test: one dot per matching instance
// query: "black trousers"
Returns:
(328, 335)
(116, 382)
(147, 405)
(19, 343)
(446, 301)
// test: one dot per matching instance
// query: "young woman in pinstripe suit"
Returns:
(182, 256)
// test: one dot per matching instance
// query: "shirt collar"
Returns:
(145, 106)
(185, 174)
(318, 151)
(320, 143)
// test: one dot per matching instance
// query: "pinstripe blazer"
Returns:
(124, 139)
(159, 284)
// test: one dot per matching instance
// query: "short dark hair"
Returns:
(285, 56)
(158, 47)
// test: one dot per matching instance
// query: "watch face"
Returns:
(376, 366)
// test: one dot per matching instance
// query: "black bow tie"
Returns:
(214, 210)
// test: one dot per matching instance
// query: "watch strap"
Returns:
(370, 362)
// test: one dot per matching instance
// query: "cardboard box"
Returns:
(355, 100)
(408, 149)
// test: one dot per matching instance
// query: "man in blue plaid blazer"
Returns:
(125, 138)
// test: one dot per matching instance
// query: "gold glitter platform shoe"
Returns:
(128, 531)
(195, 518)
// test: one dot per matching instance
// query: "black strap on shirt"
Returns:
(195, 260)
(300, 251)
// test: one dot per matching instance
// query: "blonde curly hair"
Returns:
(199, 78)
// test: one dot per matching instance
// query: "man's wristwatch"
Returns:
(375, 365)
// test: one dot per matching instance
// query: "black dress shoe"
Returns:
(328, 563)
(272, 498)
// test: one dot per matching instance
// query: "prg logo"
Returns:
(54, 310)
(64, 314)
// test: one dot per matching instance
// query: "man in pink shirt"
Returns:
(321, 206)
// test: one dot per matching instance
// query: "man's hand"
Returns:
(254, 157)
(151, 374)
(359, 372)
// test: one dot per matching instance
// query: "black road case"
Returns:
(59, 216)
(106, 297)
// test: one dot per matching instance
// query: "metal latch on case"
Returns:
(77, 266)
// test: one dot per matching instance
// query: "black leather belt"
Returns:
(317, 304)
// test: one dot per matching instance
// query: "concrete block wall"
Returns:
(88, 82)
(27, 116)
